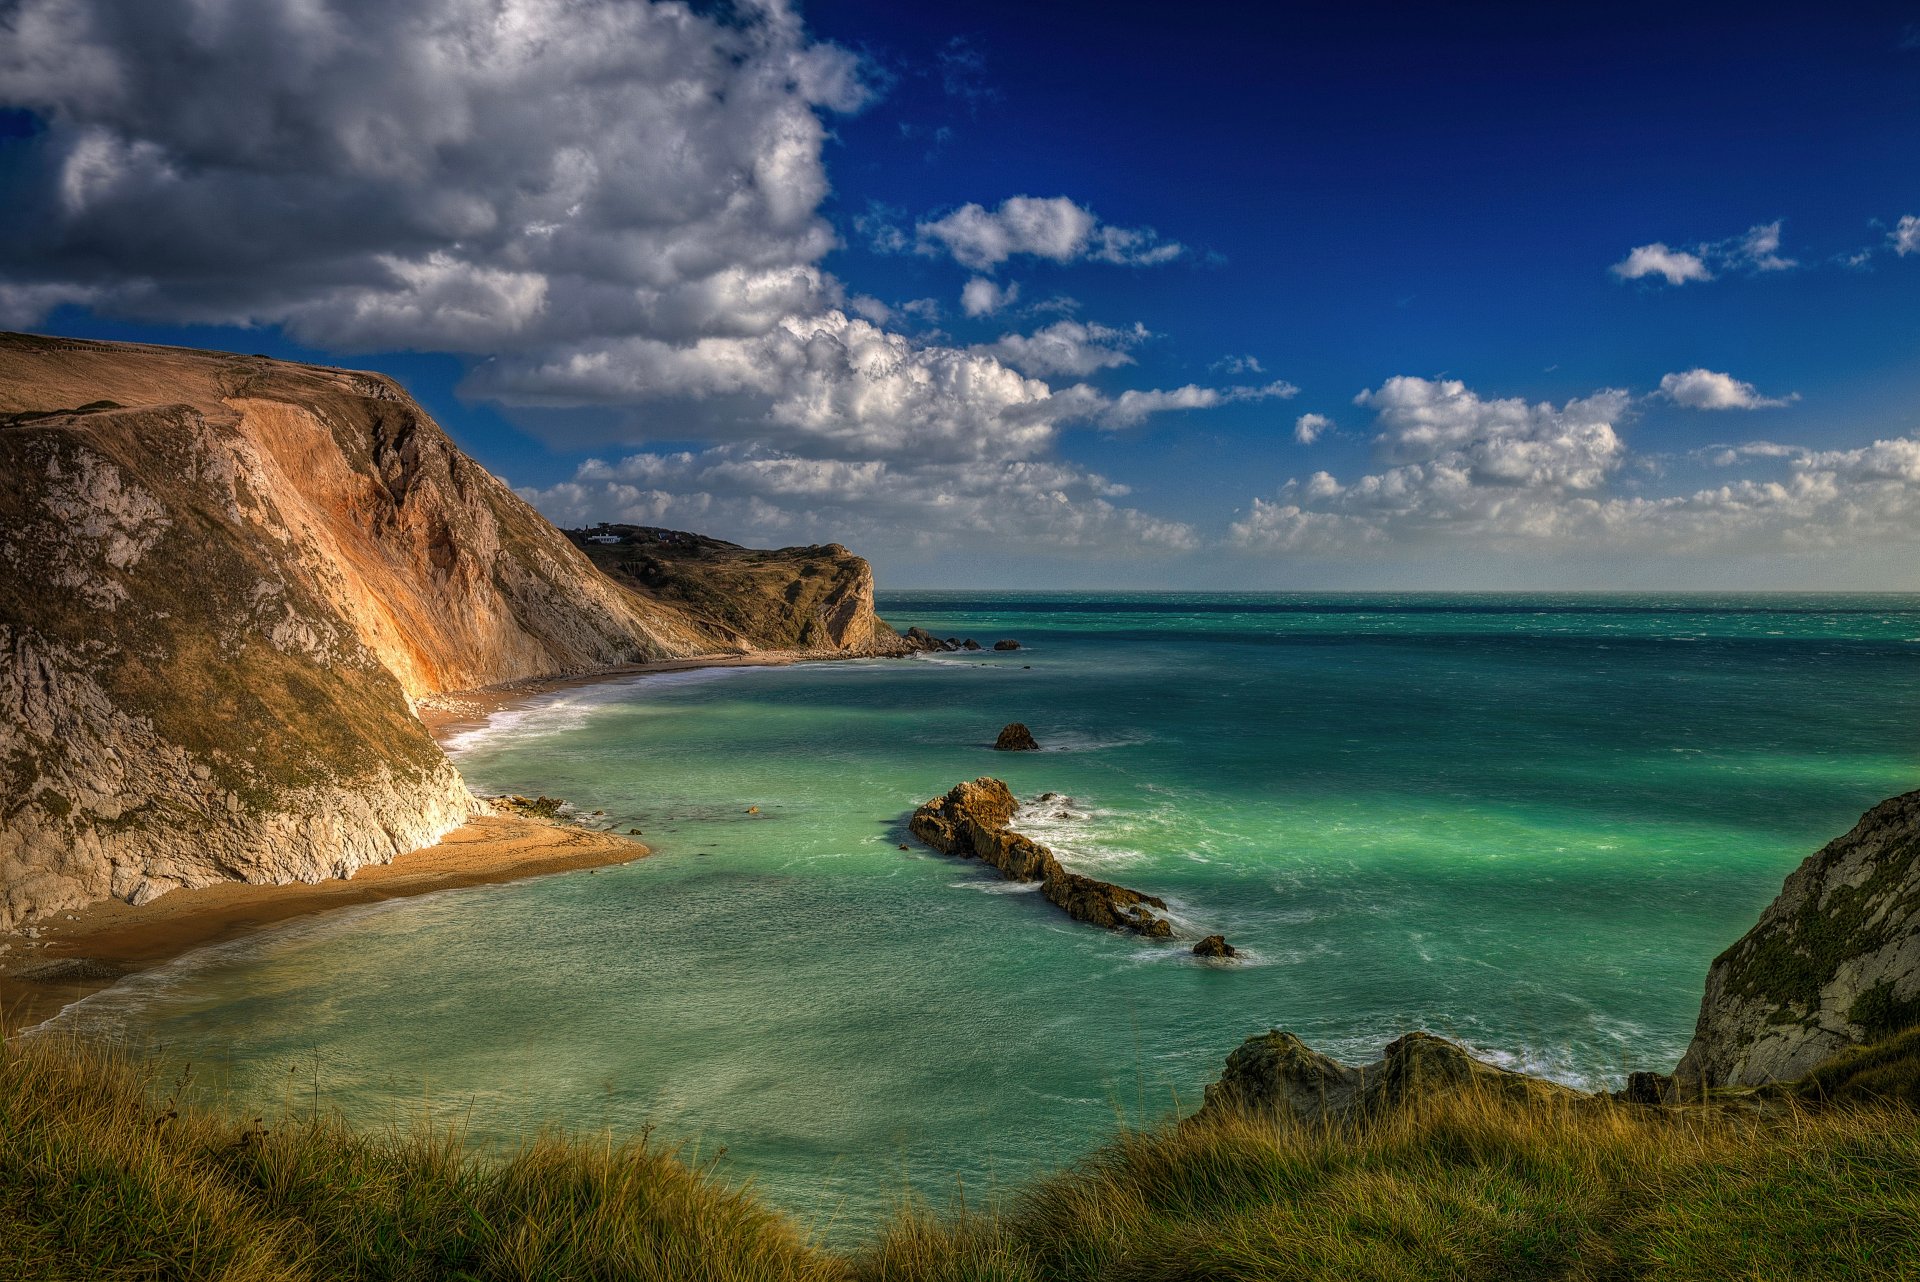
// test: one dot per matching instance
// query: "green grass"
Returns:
(104, 1176)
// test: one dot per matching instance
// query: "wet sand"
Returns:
(108, 940)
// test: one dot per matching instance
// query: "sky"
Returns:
(1264, 296)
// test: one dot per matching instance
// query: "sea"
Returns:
(1524, 822)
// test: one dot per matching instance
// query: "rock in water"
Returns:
(971, 821)
(971, 644)
(1015, 737)
(1833, 963)
(1215, 946)
(1006, 645)
(1277, 1074)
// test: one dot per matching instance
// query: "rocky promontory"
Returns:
(1834, 961)
(971, 821)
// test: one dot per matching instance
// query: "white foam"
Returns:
(560, 711)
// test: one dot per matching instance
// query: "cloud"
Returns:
(770, 497)
(982, 296)
(1053, 228)
(1703, 389)
(1760, 248)
(1905, 236)
(1506, 475)
(1675, 265)
(1309, 428)
(1237, 365)
(1756, 249)
(446, 174)
(1068, 347)
(1131, 408)
(611, 206)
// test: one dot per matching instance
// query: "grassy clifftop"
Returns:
(105, 1174)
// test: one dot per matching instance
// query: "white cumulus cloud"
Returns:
(1704, 389)
(1068, 347)
(1676, 266)
(1309, 428)
(1054, 228)
(983, 296)
(1905, 236)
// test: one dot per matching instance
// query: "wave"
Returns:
(559, 711)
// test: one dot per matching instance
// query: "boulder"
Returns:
(971, 644)
(1015, 737)
(921, 639)
(1006, 645)
(1215, 946)
(1276, 1074)
(1832, 964)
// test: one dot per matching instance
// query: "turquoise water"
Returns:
(1525, 822)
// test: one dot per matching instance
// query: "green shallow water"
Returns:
(1528, 823)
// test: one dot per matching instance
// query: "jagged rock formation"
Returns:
(227, 579)
(1215, 946)
(1833, 963)
(971, 821)
(1277, 1074)
(1015, 737)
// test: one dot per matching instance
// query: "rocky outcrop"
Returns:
(1278, 1075)
(1833, 963)
(1215, 946)
(1006, 645)
(1015, 737)
(971, 821)
(228, 580)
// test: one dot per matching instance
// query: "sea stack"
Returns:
(1015, 737)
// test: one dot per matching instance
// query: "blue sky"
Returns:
(1005, 294)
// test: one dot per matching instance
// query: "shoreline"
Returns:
(109, 940)
(446, 715)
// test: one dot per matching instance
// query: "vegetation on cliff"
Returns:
(106, 1173)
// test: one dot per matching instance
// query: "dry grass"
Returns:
(104, 1177)
(1467, 1187)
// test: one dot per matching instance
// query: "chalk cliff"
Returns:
(226, 580)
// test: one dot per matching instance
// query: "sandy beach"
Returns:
(108, 940)
(83, 950)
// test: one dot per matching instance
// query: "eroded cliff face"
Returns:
(1834, 962)
(226, 579)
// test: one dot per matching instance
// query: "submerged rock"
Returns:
(1215, 946)
(971, 821)
(1015, 737)
(1277, 1074)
